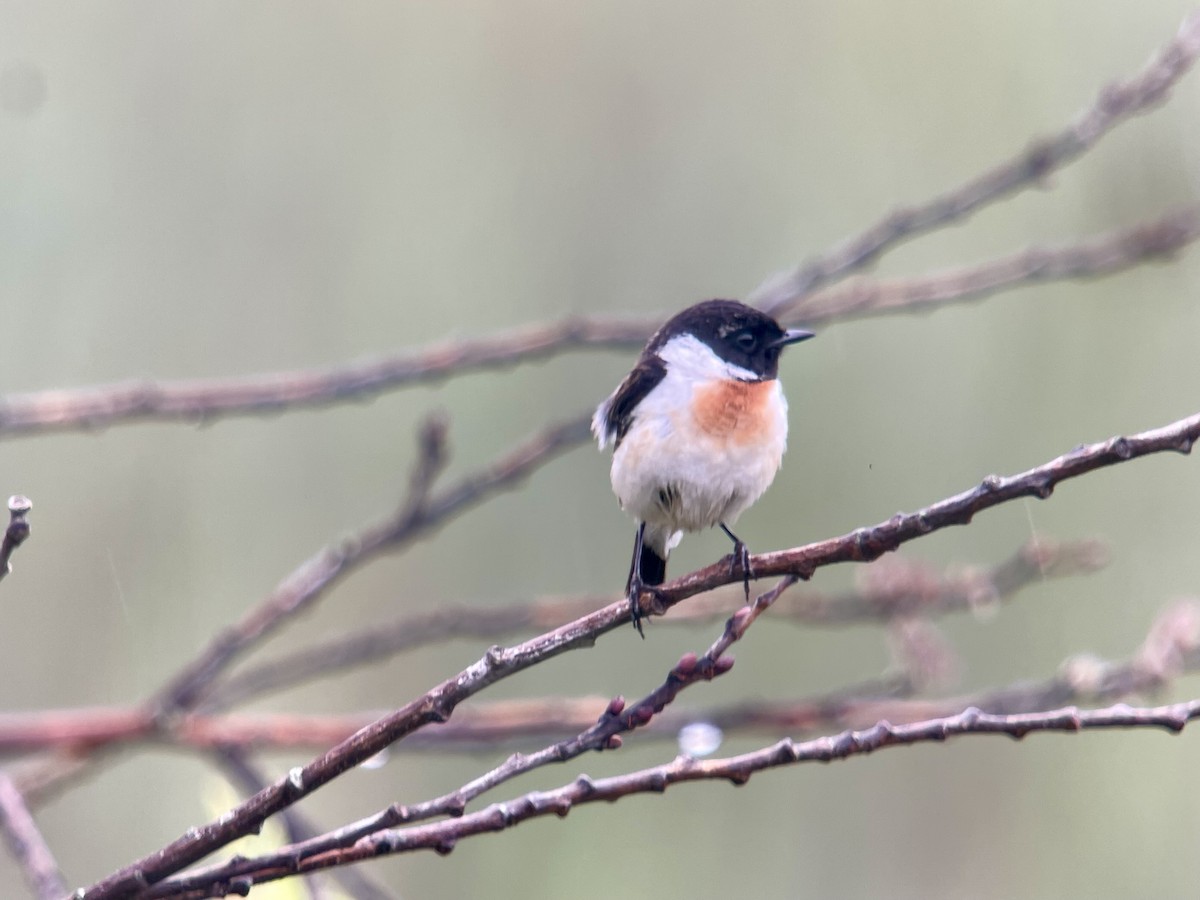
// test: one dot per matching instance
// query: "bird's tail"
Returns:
(653, 566)
(651, 561)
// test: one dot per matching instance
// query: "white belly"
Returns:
(676, 473)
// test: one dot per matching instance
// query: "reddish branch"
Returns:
(437, 705)
(239, 875)
(1171, 649)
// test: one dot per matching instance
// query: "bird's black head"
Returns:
(737, 333)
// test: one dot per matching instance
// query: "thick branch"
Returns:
(270, 392)
(867, 544)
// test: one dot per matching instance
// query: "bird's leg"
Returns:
(633, 585)
(740, 559)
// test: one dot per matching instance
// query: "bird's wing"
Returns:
(614, 416)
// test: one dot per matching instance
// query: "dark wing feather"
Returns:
(618, 417)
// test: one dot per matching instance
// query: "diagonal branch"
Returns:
(420, 514)
(499, 663)
(1102, 255)
(27, 845)
(868, 544)
(239, 770)
(1115, 104)
(240, 874)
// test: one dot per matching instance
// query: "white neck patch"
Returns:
(688, 356)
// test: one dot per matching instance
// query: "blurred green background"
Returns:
(191, 190)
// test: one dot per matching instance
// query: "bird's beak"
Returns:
(793, 336)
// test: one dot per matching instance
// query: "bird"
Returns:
(698, 430)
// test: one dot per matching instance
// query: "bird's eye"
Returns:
(746, 341)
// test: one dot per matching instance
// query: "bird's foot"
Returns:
(636, 615)
(740, 561)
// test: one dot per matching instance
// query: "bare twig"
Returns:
(901, 589)
(438, 704)
(432, 458)
(27, 845)
(1103, 255)
(91, 408)
(16, 532)
(417, 516)
(1115, 103)
(198, 401)
(240, 874)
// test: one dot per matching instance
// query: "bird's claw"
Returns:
(740, 560)
(635, 607)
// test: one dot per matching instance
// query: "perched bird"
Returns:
(698, 429)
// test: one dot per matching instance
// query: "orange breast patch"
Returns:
(738, 410)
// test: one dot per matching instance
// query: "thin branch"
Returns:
(203, 400)
(416, 518)
(901, 589)
(432, 458)
(499, 663)
(27, 845)
(1105, 254)
(1032, 167)
(91, 408)
(237, 876)
(16, 532)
